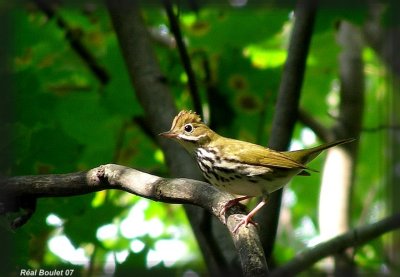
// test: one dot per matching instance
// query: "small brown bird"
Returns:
(240, 167)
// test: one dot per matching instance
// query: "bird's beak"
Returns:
(168, 134)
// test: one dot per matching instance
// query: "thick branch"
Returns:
(180, 190)
(356, 237)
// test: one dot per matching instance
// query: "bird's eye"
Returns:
(188, 128)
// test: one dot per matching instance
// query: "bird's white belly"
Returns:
(254, 186)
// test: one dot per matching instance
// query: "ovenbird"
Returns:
(240, 167)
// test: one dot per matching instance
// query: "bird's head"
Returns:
(188, 129)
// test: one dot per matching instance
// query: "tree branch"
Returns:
(355, 237)
(178, 191)
(287, 108)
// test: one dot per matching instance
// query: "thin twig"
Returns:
(176, 30)
(73, 37)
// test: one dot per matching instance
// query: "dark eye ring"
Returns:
(188, 128)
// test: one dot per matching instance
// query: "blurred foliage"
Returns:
(65, 121)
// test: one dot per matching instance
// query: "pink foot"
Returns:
(245, 221)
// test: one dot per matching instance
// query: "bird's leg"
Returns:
(232, 203)
(249, 218)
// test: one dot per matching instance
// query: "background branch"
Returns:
(353, 238)
(286, 109)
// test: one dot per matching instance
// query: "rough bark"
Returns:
(287, 109)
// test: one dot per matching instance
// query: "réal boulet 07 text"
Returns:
(43, 272)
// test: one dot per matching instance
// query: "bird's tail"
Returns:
(306, 155)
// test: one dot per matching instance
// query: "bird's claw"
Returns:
(245, 221)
